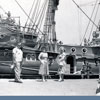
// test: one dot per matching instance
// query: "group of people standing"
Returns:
(44, 66)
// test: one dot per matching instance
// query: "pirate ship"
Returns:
(33, 39)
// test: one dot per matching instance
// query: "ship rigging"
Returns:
(39, 31)
(35, 22)
(92, 20)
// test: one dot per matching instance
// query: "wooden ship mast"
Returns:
(49, 26)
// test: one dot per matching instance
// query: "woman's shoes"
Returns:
(18, 81)
(44, 80)
(60, 80)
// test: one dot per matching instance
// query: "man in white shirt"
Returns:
(17, 60)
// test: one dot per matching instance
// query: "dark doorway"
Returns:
(71, 61)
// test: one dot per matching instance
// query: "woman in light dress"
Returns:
(44, 70)
(62, 64)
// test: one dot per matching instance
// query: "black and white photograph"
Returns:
(49, 47)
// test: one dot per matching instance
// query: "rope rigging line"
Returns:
(30, 12)
(28, 19)
(84, 13)
(94, 20)
(88, 3)
(41, 16)
(28, 16)
(3, 9)
(34, 12)
(89, 22)
(42, 13)
(38, 8)
(38, 14)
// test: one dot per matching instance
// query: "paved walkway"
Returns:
(31, 87)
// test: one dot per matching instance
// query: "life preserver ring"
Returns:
(30, 57)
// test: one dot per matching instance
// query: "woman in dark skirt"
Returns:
(44, 70)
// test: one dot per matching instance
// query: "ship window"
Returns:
(28, 37)
(1, 54)
(30, 57)
(33, 57)
(2, 36)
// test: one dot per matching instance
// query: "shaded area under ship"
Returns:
(12, 33)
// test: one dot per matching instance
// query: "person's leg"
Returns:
(82, 76)
(17, 72)
(60, 77)
(43, 78)
(88, 76)
(46, 77)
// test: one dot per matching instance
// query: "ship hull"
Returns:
(74, 60)
(32, 68)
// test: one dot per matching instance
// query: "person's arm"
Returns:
(62, 57)
(13, 59)
(13, 55)
(21, 56)
(47, 56)
(39, 57)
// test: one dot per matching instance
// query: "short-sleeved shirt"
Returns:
(43, 56)
(17, 54)
(62, 59)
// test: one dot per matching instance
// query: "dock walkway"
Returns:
(32, 87)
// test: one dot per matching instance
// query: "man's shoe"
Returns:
(18, 81)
